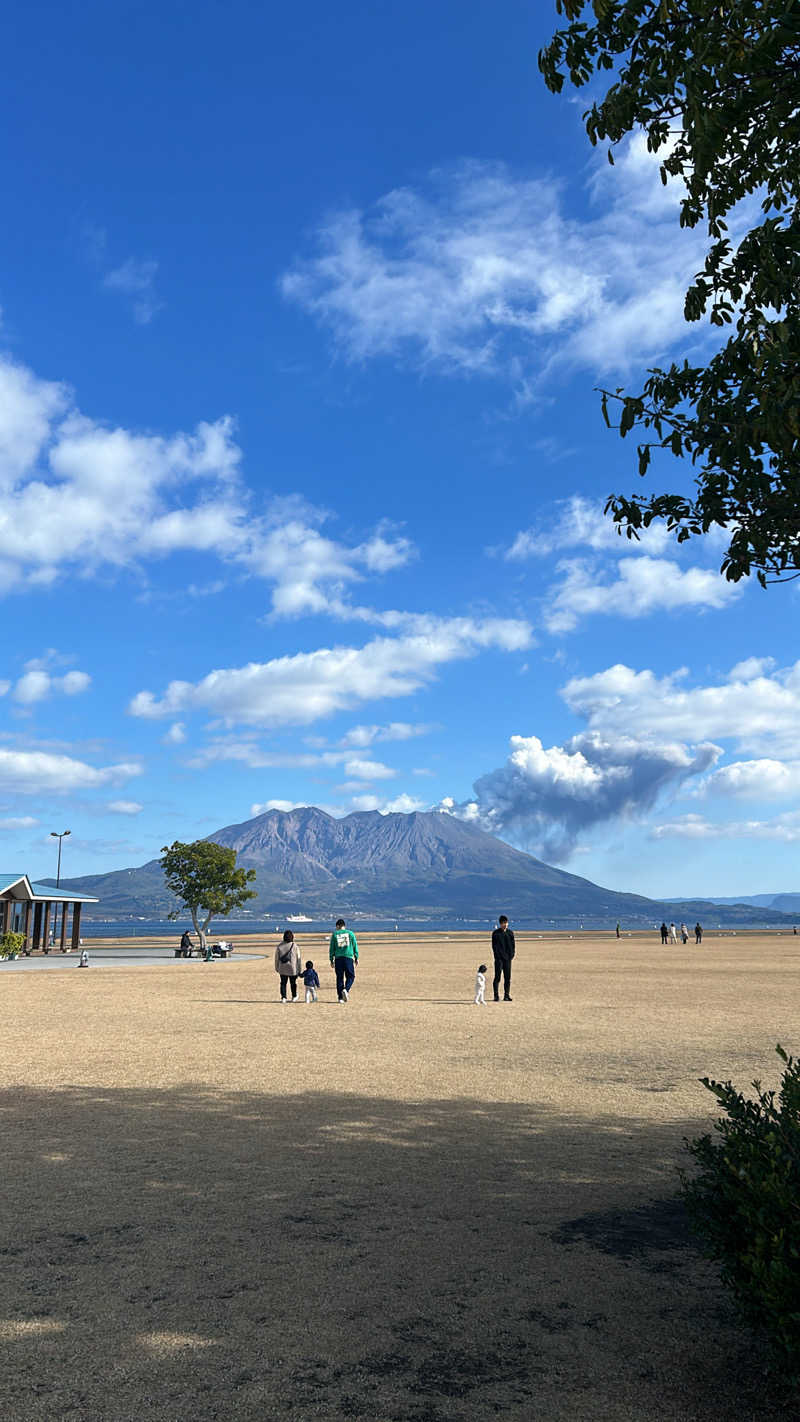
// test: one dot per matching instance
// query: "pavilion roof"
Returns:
(44, 891)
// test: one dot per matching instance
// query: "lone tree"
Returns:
(203, 875)
(716, 89)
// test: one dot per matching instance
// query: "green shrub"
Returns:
(745, 1205)
(11, 944)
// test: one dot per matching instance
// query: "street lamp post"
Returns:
(55, 835)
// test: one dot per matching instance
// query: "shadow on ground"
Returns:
(201, 1255)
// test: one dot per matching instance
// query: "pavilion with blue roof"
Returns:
(32, 909)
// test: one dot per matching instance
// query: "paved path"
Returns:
(113, 958)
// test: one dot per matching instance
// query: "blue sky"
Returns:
(302, 316)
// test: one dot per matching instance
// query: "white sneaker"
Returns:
(345, 997)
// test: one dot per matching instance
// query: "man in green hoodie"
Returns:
(344, 956)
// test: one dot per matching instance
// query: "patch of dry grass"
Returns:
(408, 1209)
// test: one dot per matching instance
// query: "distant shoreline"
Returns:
(246, 934)
(720, 921)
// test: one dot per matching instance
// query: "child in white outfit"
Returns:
(480, 985)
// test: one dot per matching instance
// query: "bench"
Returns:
(219, 950)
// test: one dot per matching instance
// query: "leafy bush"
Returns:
(745, 1205)
(11, 944)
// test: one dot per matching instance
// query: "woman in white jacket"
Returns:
(287, 965)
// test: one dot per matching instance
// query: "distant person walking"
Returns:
(673, 933)
(698, 933)
(503, 948)
(617, 930)
(480, 986)
(311, 981)
(344, 956)
(664, 933)
(287, 965)
(684, 933)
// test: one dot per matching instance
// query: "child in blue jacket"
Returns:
(311, 980)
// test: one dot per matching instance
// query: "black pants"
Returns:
(502, 966)
(287, 978)
(345, 975)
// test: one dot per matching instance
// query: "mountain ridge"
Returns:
(368, 864)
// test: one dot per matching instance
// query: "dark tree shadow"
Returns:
(193, 1254)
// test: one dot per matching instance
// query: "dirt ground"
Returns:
(408, 1209)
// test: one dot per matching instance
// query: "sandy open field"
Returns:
(408, 1209)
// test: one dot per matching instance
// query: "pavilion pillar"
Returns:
(46, 928)
(76, 925)
(5, 910)
(26, 947)
(63, 940)
(37, 926)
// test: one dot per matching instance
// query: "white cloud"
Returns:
(487, 273)
(642, 586)
(42, 772)
(72, 683)
(382, 554)
(136, 278)
(28, 407)
(362, 736)
(36, 684)
(176, 734)
(362, 769)
(80, 496)
(580, 522)
(757, 712)
(300, 689)
(784, 828)
(762, 779)
(33, 686)
(14, 822)
(751, 668)
(639, 581)
(276, 805)
(310, 571)
(647, 738)
(401, 804)
(248, 752)
(125, 807)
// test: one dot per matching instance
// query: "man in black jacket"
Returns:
(503, 948)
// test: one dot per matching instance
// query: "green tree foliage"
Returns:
(745, 1204)
(203, 875)
(715, 86)
(11, 944)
